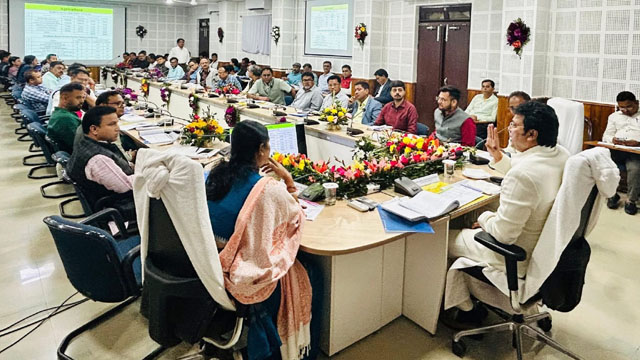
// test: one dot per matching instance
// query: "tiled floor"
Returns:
(606, 325)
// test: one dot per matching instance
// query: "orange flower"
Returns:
(517, 44)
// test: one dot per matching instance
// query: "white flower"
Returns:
(361, 143)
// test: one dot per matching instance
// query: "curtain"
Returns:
(256, 34)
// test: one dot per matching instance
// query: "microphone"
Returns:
(353, 132)
(112, 60)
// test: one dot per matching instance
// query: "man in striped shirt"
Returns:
(34, 94)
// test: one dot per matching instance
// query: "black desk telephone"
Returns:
(406, 186)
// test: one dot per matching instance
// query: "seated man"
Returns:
(528, 191)
(307, 68)
(161, 64)
(79, 75)
(113, 98)
(623, 128)
(453, 124)
(34, 94)
(484, 108)
(309, 97)
(192, 71)
(382, 92)
(141, 61)
(270, 89)
(295, 76)
(225, 78)
(175, 71)
(99, 167)
(336, 95)
(346, 78)
(253, 72)
(400, 114)
(365, 109)
(64, 121)
(323, 79)
(206, 77)
(51, 79)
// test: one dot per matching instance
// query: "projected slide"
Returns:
(71, 32)
(329, 27)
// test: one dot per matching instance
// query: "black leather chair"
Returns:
(177, 304)
(561, 290)
(99, 266)
(38, 133)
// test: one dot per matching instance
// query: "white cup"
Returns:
(330, 193)
(449, 168)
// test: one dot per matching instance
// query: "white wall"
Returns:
(4, 24)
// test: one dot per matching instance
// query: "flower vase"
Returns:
(333, 127)
(207, 144)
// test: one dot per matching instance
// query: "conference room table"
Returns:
(370, 277)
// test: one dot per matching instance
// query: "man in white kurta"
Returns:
(532, 180)
(483, 108)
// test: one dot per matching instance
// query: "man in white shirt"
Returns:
(181, 53)
(309, 97)
(214, 61)
(51, 79)
(78, 75)
(323, 79)
(336, 96)
(531, 183)
(623, 128)
(484, 108)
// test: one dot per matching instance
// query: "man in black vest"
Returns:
(97, 165)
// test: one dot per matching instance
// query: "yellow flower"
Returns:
(392, 148)
(199, 132)
(357, 165)
(286, 161)
(327, 111)
(440, 150)
(340, 114)
(219, 130)
(334, 111)
(420, 144)
(407, 150)
(301, 165)
(330, 118)
(362, 28)
(406, 140)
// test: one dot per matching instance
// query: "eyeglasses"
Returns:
(513, 125)
(437, 98)
(118, 104)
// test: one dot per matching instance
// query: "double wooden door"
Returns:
(443, 59)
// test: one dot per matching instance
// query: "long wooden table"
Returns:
(612, 147)
(370, 277)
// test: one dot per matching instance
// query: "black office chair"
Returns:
(99, 266)
(38, 133)
(561, 290)
(178, 305)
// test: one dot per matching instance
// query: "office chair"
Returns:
(556, 293)
(179, 306)
(99, 266)
(38, 133)
(59, 158)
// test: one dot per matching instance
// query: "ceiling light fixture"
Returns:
(193, 2)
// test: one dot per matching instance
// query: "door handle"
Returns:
(446, 34)
(438, 34)
(445, 81)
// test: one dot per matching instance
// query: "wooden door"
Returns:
(455, 66)
(429, 75)
(203, 36)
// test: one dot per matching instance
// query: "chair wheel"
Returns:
(545, 324)
(458, 348)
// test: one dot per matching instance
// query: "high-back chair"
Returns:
(556, 272)
(99, 266)
(38, 133)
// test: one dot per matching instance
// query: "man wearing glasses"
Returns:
(114, 100)
(309, 97)
(452, 123)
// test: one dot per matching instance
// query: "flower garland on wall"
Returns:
(518, 36)
(361, 33)
(275, 34)
(380, 163)
(141, 31)
(220, 34)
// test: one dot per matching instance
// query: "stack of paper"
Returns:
(193, 152)
(311, 209)
(482, 186)
(158, 137)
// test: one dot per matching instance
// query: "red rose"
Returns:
(192, 130)
(517, 44)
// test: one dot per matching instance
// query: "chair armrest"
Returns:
(108, 214)
(127, 267)
(512, 254)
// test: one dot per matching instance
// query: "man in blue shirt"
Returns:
(34, 94)
(295, 76)
(175, 72)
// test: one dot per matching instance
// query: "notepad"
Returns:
(158, 137)
(396, 224)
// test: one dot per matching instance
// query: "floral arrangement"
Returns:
(165, 94)
(155, 73)
(361, 33)
(141, 31)
(201, 131)
(220, 34)
(128, 94)
(231, 116)
(227, 90)
(275, 34)
(397, 155)
(518, 35)
(144, 87)
(335, 115)
(193, 103)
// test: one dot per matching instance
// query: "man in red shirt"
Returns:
(400, 114)
(346, 78)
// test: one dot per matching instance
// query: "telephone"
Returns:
(406, 186)
(313, 192)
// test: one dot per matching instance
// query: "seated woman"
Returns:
(257, 222)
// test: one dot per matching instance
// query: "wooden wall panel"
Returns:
(94, 72)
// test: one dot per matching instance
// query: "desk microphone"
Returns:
(353, 132)
(110, 61)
